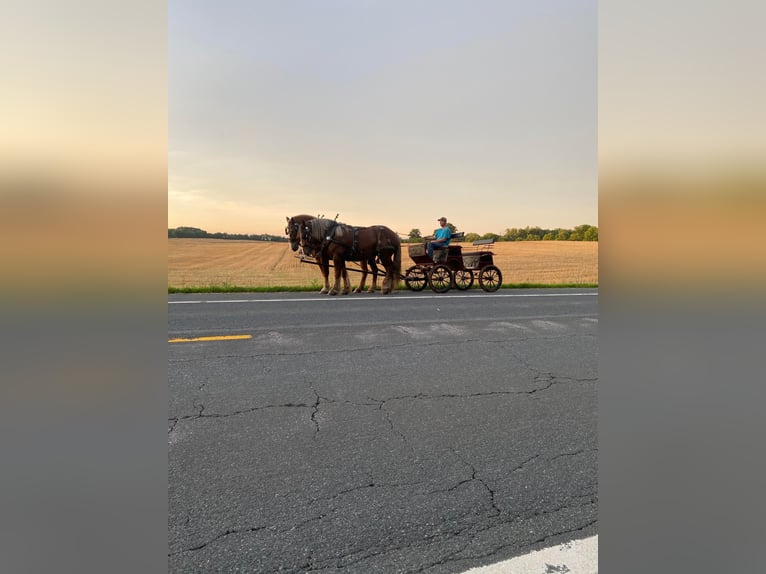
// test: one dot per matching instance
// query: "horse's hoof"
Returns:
(357, 291)
(332, 293)
(324, 292)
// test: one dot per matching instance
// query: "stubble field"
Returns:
(218, 262)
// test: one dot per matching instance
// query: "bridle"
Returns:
(304, 235)
(293, 230)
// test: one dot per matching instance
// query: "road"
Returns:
(413, 432)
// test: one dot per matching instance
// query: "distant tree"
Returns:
(549, 236)
(591, 234)
(414, 236)
(578, 233)
(494, 236)
(472, 236)
(188, 232)
(513, 234)
(562, 234)
(534, 233)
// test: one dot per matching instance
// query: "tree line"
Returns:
(197, 233)
(579, 233)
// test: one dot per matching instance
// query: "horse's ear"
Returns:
(287, 218)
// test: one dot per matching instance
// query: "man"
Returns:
(440, 238)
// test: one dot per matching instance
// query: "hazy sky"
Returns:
(384, 112)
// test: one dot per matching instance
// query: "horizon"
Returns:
(457, 229)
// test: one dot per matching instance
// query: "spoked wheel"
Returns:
(415, 278)
(490, 278)
(440, 278)
(463, 279)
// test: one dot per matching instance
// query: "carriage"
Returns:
(453, 267)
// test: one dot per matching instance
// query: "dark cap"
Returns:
(442, 219)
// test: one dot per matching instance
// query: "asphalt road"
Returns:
(413, 432)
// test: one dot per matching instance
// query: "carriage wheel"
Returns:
(440, 278)
(463, 279)
(490, 278)
(415, 278)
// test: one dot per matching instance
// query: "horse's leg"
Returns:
(374, 268)
(324, 267)
(335, 289)
(346, 281)
(363, 265)
(340, 271)
(388, 281)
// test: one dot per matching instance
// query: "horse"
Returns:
(293, 225)
(341, 243)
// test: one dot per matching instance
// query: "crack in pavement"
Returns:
(201, 415)
(381, 403)
(247, 530)
(523, 464)
(224, 534)
(425, 396)
(474, 476)
(370, 484)
(315, 411)
(575, 453)
(382, 408)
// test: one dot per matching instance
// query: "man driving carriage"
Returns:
(440, 238)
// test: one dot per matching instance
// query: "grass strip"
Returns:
(276, 289)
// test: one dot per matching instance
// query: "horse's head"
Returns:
(292, 230)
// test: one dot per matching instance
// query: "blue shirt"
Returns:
(443, 233)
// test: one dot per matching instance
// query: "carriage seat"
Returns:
(441, 253)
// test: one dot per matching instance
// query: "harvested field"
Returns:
(214, 262)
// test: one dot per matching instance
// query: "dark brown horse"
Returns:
(293, 225)
(341, 243)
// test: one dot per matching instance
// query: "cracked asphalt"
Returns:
(406, 433)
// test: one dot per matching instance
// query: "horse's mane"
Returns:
(320, 226)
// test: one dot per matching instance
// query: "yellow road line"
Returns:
(221, 338)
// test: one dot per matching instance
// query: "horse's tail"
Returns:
(397, 265)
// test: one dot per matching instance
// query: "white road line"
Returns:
(576, 557)
(381, 298)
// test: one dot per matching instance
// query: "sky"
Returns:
(389, 112)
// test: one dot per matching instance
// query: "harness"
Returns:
(328, 238)
(354, 253)
(328, 235)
